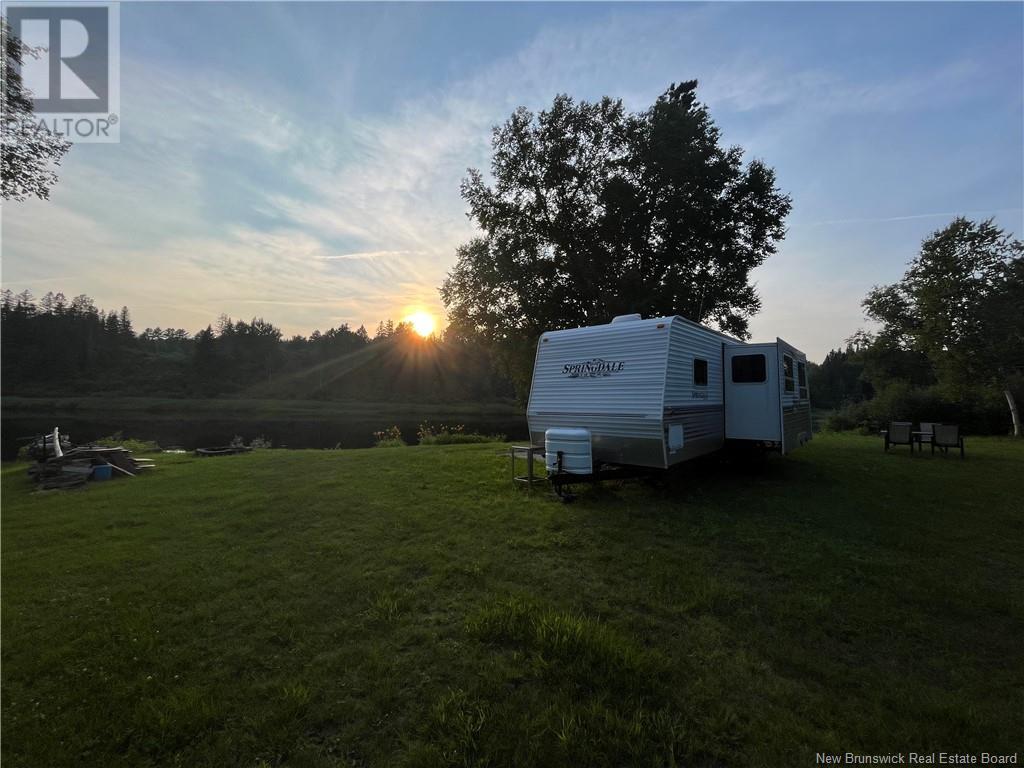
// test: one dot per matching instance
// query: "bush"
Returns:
(442, 434)
(842, 420)
(257, 442)
(978, 411)
(389, 438)
(132, 444)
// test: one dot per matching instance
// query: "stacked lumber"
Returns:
(76, 466)
(54, 473)
(42, 446)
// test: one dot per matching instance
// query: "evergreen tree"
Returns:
(125, 323)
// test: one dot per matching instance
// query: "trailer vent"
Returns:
(567, 449)
(626, 318)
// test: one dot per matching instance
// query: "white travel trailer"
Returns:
(655, 392)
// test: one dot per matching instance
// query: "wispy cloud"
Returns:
(912, 217)
(749, 83)
(369, 255)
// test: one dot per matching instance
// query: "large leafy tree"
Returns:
(961, 304)
(28, 150)
(595, 211)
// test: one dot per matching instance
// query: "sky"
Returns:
(302, 162)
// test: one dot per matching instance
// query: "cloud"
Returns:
(369, 255)
(749, 83)
(912, 217)
(221, 198)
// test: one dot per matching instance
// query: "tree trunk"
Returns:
(1013, 411)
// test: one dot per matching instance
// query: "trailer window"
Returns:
(787, 368)
(748, 369)
(700, 373)
(801, 379)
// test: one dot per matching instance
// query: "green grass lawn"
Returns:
(408, 607)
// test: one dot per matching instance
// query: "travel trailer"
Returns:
(655, 392)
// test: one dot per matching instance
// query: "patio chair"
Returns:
(947, 436)
(899, 433)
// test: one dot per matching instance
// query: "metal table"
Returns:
(919, 438)
(529, 452)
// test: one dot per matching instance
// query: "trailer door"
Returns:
(751, 392)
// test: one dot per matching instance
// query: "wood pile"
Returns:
(76, 466)
(42, 446)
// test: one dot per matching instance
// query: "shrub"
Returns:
(257, 442)
(443, 434)
(238, 441)
(841, 421)
(389, 438)
(134, 445)
(978, 411)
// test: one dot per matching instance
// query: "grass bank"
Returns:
(407, 607)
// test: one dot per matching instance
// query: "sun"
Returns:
(422, 322)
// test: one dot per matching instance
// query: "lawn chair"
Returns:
(899, 433)
(947, 436)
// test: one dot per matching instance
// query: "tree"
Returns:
(207, 364)
(29, 150)
(26, 302)
(838, 380)
(385, 330)
(961, 303)
(111, 323)
(404, 329)
(46, 304)
(595, 211)
(124, 322)
(83, 305)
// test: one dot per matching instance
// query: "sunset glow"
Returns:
(422, 322)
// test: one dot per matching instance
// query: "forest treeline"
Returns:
(867, 383)
(56, 346)
(950, 340)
